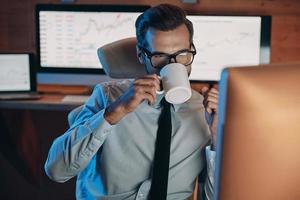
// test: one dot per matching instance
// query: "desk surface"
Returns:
(52, 96)
(46, 102)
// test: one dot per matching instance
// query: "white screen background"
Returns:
(14, 72)
(71, 39)
(223, 41)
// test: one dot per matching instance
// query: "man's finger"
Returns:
(149, 97)
(204, 90)
(147, 82)
(212, 99)
(214, 91)
(208, 110)
(212, 105)
(210, 94)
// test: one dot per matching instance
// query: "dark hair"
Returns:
(164, 17)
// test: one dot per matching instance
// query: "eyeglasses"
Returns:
(159, 60)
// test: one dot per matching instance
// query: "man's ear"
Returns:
(139, 55)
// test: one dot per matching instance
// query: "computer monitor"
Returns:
(223, 41)
(16, 72)
(258, 140)
(68, 36)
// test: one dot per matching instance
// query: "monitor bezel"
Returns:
(76, 8)
(265, 40)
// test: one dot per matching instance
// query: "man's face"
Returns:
(168, 42)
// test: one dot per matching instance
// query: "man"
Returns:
(110, 146)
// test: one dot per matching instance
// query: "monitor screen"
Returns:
(14, 72)
(223, 41)
(69, 35)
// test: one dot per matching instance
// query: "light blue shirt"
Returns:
(114, 161)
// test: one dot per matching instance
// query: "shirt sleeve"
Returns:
(209, 182)
(71, 152)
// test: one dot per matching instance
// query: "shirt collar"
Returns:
(159, 97)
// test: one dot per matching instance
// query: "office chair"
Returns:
(119, 60)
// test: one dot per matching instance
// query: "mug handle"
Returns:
(161, 91)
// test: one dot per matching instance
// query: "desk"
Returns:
(47, 102)
(27, 130)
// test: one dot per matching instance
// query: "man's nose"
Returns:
(172, 60)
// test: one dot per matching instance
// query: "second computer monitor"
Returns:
(259, 133)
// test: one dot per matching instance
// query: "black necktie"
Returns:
(160, 173)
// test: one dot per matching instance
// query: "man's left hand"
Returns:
(210, 103)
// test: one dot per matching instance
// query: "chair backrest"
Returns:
(119, 59)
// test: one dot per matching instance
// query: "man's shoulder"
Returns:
(194, 104)
(114, 88)
(196, 97)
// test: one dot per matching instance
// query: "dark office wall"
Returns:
(17, 27)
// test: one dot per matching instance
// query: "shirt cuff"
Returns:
(210, 159)
(209, 152)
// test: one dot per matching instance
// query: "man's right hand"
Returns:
(143, 88)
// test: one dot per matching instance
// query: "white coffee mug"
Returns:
(175, 82)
